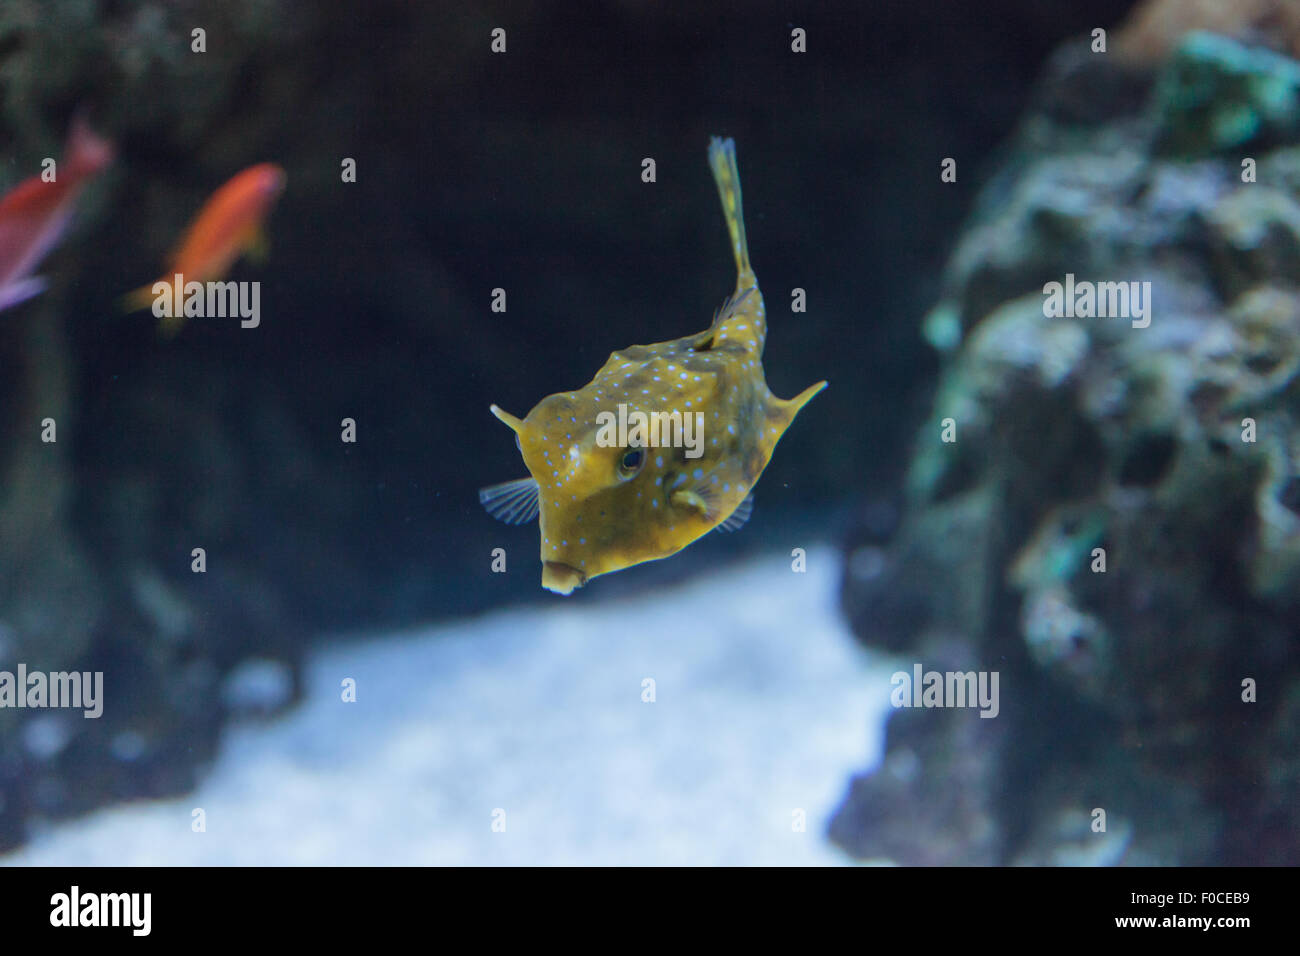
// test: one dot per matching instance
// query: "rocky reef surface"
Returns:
(1107, 511)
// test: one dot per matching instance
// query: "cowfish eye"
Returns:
(631, 463)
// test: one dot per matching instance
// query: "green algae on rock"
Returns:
(1113, 519)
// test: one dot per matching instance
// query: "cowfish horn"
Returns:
(515, 424)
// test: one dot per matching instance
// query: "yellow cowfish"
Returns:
(662, 446)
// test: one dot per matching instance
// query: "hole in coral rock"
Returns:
(1290, 495)
(1148, 460)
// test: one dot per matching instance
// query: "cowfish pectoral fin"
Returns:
(736, 520)
(515, 424)
(514, 502)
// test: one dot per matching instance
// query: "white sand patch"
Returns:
(764, 706)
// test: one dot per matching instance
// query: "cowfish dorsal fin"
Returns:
(729, 307)
(514, 502)
(736, 520)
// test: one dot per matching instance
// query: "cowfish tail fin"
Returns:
(722, 160)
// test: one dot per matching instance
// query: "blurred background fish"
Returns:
(229, 225)
(35, 213)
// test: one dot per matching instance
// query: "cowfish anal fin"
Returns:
(21, 290)
(514, 502)
(736, 520)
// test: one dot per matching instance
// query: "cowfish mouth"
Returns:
(561, 578)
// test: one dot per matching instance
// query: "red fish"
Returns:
(34, 214)
(228, 225)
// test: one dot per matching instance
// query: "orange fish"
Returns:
(35, 213)
(228, 226)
